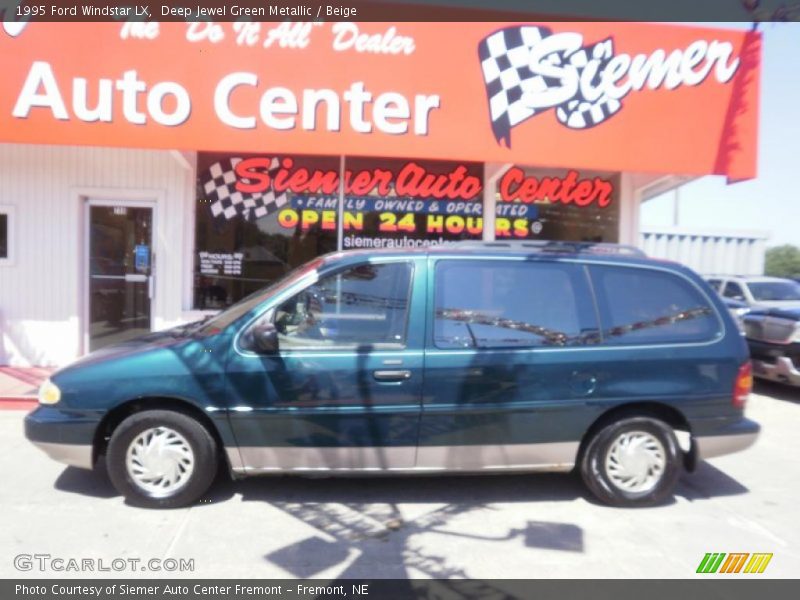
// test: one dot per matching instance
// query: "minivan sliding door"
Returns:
(507, 380)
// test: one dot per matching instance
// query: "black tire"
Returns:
(203, 449)
(594, 470)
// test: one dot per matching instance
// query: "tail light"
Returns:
(743, 385)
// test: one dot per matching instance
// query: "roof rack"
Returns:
(557, 246)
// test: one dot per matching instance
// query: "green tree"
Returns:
(783, 261)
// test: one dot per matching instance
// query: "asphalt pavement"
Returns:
(520, 526)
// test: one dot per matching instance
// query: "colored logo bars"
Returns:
(736, 562)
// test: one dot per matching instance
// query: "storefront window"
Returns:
(558, 204)
(258, 216)
(242, 244)
(410, 203)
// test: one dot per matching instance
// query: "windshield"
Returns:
(775, 290)
(232, 313)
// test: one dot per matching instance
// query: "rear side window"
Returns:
(505, 304)
(641, 306)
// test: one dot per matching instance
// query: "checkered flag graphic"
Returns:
(512, 87)
(219, 185)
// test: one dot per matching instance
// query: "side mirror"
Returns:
(265, 338)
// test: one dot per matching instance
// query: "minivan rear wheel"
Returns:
(161, 459)
(635, 461)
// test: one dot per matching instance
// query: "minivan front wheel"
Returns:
(632, 462)
(161, 459)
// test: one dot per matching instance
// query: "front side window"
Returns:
(641, 306)
(365, 306)
(504, 304)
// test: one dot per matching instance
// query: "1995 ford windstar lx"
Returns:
(469, 358)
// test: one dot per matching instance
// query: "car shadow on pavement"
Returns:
(96, 483)
(777, 391)
(708, 482)
(371, 528)
(93, 483)
(477, 489)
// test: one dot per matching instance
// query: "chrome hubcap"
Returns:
(160, 461)
(635, 461)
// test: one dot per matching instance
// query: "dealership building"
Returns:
(153, 173)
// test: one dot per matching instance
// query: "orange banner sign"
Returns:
(600, 96)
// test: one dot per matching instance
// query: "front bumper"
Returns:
(732, 438)
(64, 436)
(69, 454)
(781, 369)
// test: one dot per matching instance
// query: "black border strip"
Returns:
(396, 10)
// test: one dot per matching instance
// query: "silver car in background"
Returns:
(758, 291)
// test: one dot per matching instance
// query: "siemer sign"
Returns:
(528, 70)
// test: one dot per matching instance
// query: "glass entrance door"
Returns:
(120, 273)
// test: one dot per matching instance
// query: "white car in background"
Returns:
(755, 291)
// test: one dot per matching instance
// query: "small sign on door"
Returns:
(141, 257)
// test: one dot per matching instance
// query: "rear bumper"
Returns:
(63, 436)
(782, 370)
(733, 438)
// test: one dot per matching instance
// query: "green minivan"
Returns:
(488, 357)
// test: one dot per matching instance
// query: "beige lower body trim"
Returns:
(552, 456)
(719, 445)
(556, 456)
(70, 454)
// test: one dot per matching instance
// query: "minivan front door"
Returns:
(120, 270)
(343, 390)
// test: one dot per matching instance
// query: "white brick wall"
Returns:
(41, 291)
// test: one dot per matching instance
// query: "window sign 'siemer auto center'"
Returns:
(179, 167)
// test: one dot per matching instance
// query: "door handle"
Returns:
(135, 278)
(392, 375)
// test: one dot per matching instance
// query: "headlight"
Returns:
(49, 393)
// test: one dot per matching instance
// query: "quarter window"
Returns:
(503, 304)
(640, 306)
(363, 306)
